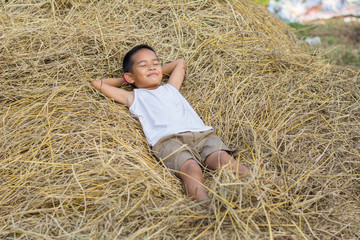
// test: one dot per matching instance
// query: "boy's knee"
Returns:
(222, 157)
(190, 166)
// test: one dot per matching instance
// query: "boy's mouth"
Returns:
(152, 74)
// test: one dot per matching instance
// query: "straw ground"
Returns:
(75, 165)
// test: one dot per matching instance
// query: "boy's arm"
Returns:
(110, 87)
(115, 82)
(176, 70)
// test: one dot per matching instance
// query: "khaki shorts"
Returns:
(174, 150)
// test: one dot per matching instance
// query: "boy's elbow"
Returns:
(182, 63)
(96, 84)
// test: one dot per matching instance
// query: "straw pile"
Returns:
(75, 165)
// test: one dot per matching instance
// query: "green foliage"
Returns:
(302, 31)
(349, 57)
(330, 39)
(337, 40)
(262, 2)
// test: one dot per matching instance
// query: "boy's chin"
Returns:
(156, 82)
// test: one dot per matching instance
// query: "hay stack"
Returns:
(75, 165)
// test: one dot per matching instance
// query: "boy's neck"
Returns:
(150, 88)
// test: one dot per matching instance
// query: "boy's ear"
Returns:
(129, 78)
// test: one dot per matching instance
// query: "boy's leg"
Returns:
(221, 158)
(192, 176)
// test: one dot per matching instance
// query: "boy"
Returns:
(177, 135)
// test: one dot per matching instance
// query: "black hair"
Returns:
(128, 62)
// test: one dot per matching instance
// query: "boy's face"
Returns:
(146, 71)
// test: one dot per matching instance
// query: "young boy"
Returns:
(177, 135)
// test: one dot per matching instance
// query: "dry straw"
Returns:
(75, 165)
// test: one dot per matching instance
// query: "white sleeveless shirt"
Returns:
(164, 111)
